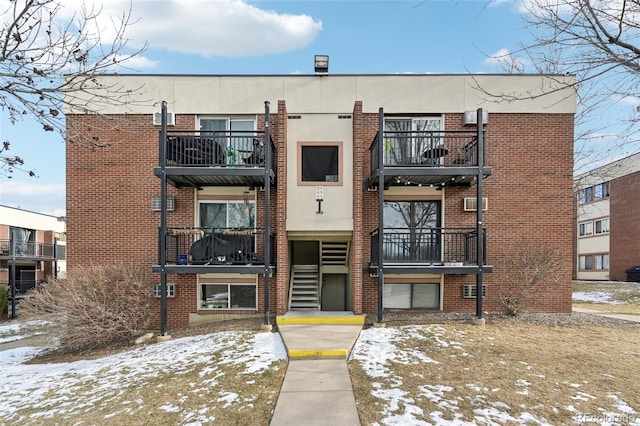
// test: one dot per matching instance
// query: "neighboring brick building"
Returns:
(330, 141)
(40, 242)
(608, 220)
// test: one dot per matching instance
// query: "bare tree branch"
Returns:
(48, 62)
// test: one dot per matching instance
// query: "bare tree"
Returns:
(597, 41)
(531, 269)
(49, 59)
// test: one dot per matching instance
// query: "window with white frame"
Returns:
(411, 296)
(602, 226)
(407, 140)
(235, 136)
(585, 229)
(593, 262)
(228, 296)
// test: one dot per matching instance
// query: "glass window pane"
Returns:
(243, 296)
(213, 215)
(241, 215)
(426, 296)
(215, 296)
(397, 145)
(397, 296)
(605, 261)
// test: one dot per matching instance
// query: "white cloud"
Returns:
(506, 61)
(627, 100)
(230, 28)
(33, 195)
(496, 3)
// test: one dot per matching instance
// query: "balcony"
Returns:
(222, 250)
(28, 250)
(429, 250)
(218, 158)
(432, 158)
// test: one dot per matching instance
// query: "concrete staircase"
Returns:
(305, 290)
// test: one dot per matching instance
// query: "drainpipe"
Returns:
(380, 210)
(480, 237)
(163, 220)
(267, 216)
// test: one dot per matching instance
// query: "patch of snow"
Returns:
(595, 297)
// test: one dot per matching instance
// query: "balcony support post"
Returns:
(267, 216)
(12, 244)
(380, 212)
(163, 220)
(479, 231)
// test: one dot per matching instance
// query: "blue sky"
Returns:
(279, 37)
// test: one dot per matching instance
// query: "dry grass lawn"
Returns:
(514, 370)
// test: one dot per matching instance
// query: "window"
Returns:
(411, 231)
(593, 193)
(408, 139)
(602, 226)
(61, 251)
(594, 262)
(601, 191)
(320, 163)
(411, 296)
(586, 228)
(227, 214)
(228, 296)
(236, 136)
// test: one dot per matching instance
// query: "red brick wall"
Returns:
(624, 250)
(109, 190)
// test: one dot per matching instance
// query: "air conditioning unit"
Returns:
(469, 291)
(156, 204)
(471, 204)
(157, 119)
(171, 290)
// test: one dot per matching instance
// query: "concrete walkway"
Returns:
(317, 387)
(626, 317)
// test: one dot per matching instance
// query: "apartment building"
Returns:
(33, 245)
(259, 195)
(608, 220)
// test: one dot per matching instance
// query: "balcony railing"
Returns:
(27, 249)
(451, 148)
(218, 148)
(217, 246)
(429, 246)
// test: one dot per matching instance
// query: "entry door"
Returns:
(334, 292)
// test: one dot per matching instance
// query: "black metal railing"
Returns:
(450, 148)
(217, 246)
(435, 246)
(27, 249)
(218, 148)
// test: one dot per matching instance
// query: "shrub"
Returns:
(530, 269)
(4, 299)
(94, 306)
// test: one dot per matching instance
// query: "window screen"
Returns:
(320, 164)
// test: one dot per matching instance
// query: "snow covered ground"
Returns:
(380, 350)
(75, 387)
(595, 297)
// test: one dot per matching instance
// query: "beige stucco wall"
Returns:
(337, 207)
(425, 93)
